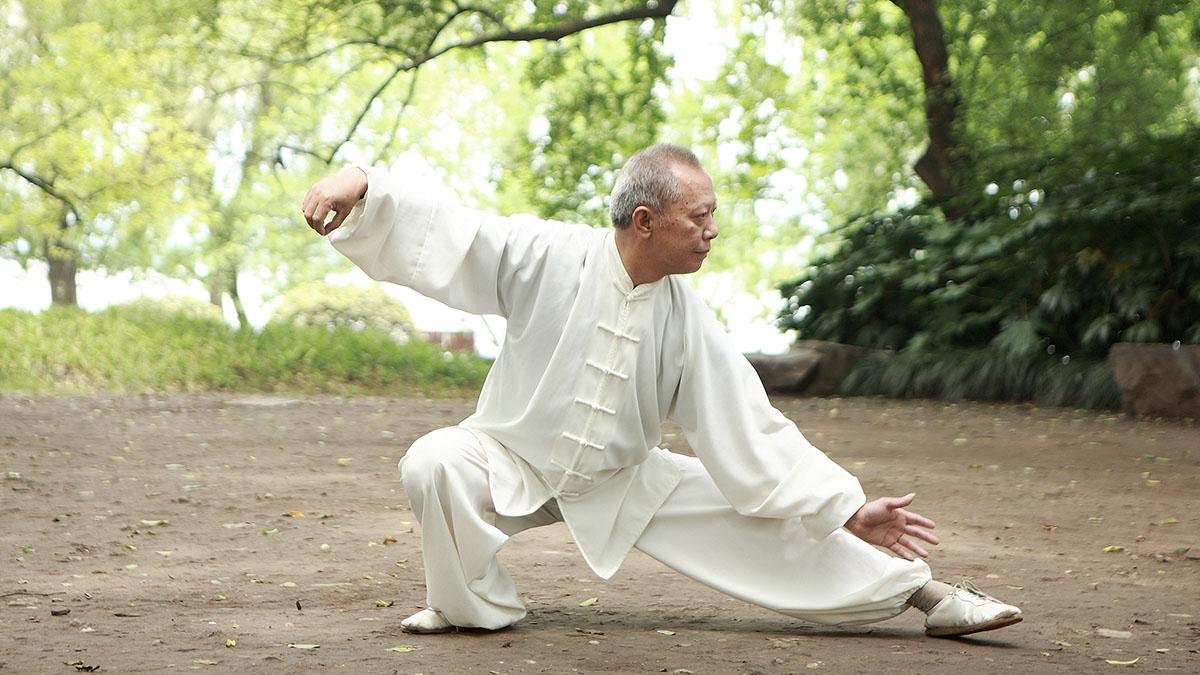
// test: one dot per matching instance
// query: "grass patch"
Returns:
(135, 350)
(986, 375)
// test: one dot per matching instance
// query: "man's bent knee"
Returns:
(434, 454)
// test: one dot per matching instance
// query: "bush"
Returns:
(66, 350)
(1062, 259)
(171, 306)
(324, 306)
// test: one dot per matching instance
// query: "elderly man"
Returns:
(605, 340)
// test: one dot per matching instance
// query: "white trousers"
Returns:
(769, 562)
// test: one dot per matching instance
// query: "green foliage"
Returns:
(127, 350)
(357, 308)
(985, 375)
(594, 104)
(170, 307)
(92, 164)
(1063, 261)
(1033, 80)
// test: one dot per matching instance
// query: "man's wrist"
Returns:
(361, 174)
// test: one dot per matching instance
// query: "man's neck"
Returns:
(635, 260)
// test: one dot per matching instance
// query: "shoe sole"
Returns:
(449, 629)
(417, 630)
(958, 631)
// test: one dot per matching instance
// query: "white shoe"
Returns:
(427, 621)
(968, 610)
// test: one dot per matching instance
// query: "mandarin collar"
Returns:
(620, 275)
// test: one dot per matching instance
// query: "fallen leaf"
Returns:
(665, 632)
(589, 602)
(384, 603)
(1115, 662)
(1169, 521)
(205, 662)
(402, 648)
(27, 550)
(1062, 643)
(166, 554)
(1113, 549)
(1110, 633)
(1016, 588)
(156, 523)
(389, 540)
(325, 547)
(230, 643)
(301, 645)
(294, 514)
(266, 533)
(1095, 519)
(266, 496)
(344, 461)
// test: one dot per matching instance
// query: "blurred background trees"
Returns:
(1008, 181)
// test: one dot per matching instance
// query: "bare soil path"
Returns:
(225, 533)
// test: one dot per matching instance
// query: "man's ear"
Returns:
(642, 221)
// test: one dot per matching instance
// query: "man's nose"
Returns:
(711, 232)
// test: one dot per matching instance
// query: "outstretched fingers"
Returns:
(917, 519)
(922, 534)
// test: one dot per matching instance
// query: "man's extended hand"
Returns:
(884, 522)
(337, 193)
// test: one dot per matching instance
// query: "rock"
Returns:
(788, 373)
(837, 360)
(810, 367)
(1157, 379)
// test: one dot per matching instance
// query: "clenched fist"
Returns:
(337, 194)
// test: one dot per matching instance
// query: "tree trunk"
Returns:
(243, 322)
(63, 262)
(225, 282)
(942, 164)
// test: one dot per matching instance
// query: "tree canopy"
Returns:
(859, 147)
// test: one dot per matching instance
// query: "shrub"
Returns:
(66, 350)
(171, 306)
(324, 306)
(1062, 259)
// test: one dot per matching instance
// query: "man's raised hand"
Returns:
(335, 194)
(885, 522)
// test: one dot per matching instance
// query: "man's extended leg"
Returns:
(775, 564)
(445, 474)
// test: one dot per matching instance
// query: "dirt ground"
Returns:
(225, 533)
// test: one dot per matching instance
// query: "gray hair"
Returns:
(647, 180)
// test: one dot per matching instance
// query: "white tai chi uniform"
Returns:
(569, 420)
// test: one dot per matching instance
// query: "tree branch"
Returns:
(45, 186)
(651, 9)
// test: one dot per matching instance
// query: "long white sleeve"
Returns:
(758, 458)
(418, 236)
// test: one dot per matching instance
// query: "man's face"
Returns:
(684, 231)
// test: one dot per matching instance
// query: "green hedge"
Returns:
(132, 349)
(1054, 263)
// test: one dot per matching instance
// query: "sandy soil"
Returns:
(217, 533)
